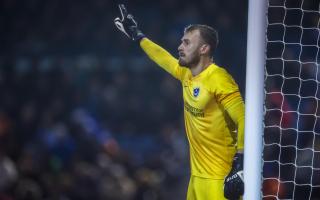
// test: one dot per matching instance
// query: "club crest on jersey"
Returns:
(196, 91)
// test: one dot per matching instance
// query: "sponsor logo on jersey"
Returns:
(194, 111)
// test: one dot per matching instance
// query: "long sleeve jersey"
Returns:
(213, 113)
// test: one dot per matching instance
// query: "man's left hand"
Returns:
(233, 183)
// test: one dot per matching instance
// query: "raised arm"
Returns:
(127, 25)
(163, 58)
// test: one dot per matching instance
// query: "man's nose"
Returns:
(180, 47)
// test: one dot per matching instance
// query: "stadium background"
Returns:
(83, 113)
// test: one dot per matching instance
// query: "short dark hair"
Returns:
(207, 33)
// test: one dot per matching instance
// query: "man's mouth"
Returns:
(182, 55)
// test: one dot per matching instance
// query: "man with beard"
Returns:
(213, 109)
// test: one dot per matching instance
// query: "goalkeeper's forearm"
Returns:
(160, 56)
(235, 108)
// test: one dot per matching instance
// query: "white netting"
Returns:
(291, 157)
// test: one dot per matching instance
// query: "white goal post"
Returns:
(254, 98)
(282, 133)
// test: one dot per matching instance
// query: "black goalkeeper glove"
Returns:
(128, 25)
(233, 183)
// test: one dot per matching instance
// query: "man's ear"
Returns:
(204, 49)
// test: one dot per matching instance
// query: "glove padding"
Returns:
(128, 25)
(233, 183)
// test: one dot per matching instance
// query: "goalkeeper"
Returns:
(213, 109)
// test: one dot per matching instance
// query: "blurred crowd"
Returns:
(83, 113)
(85, 131)
(42, 28)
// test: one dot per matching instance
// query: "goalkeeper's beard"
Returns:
(192, 61)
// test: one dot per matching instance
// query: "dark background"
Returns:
(83, 113)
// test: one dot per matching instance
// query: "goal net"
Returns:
(291, 155)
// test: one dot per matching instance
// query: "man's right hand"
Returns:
(128, 25)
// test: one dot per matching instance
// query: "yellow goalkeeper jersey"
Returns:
(213, 113)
